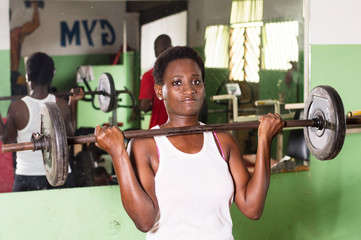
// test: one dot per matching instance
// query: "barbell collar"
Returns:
(319, 123)
(40, 142)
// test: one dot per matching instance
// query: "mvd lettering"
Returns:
(68, 35)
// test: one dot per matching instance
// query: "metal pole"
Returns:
(178, 131)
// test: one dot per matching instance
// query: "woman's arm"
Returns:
(251, 191)
(135, 175)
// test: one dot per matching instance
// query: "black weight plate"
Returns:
(326, 143)
(56, 154)
(107, 102)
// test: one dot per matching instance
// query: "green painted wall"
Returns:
(69, 214)
(5, 80)
(64, 78)
(324, 202)
(214, 81)
(124, 78)
(66, 67)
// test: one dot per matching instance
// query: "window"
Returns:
(280, 45)
(239, 45)
(216, 46)
(245, 39)
(246, 11)
(245, 52)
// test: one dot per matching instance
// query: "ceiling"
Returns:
(150, 11)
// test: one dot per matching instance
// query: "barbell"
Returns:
(324, 129)
(107, 94)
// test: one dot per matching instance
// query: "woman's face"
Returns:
(183, 88)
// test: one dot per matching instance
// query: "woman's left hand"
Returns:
(270, 125)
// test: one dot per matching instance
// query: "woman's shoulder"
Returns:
(226, 138)
(142, 144)
(224, 134)
(143, 151)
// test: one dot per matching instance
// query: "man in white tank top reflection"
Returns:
(23, 119)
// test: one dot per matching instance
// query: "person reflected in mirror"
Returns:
(23, 119)
(17, 37)
(182, 187)
(101, 177)
(148, 101)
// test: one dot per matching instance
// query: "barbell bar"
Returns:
(39, 143)
(107, 95)
(101, 92)
(324, 124)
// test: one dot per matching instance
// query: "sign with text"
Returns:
(71, 28)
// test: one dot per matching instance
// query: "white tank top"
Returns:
(194, 192)
(29, 162)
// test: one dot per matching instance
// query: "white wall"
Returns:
(4, 26)
(336, 25)
(285, 9)
(203, 13)
(47, 37)
(175, 26)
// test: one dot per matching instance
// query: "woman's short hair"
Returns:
(40, 68)
(172, 54)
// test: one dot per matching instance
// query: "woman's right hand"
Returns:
(110, 139)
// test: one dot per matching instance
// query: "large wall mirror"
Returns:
(256, 44)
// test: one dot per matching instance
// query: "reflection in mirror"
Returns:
(256, 44)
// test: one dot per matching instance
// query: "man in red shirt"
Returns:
(147, 98)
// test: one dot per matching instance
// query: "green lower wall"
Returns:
(324, 202)
(81, 213)
(5, 80)
(320, 204)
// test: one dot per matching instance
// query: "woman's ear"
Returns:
(158, 91)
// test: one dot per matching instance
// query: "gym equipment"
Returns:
(106, 83)
(324, 130)
(107, 95)
(325, 141)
